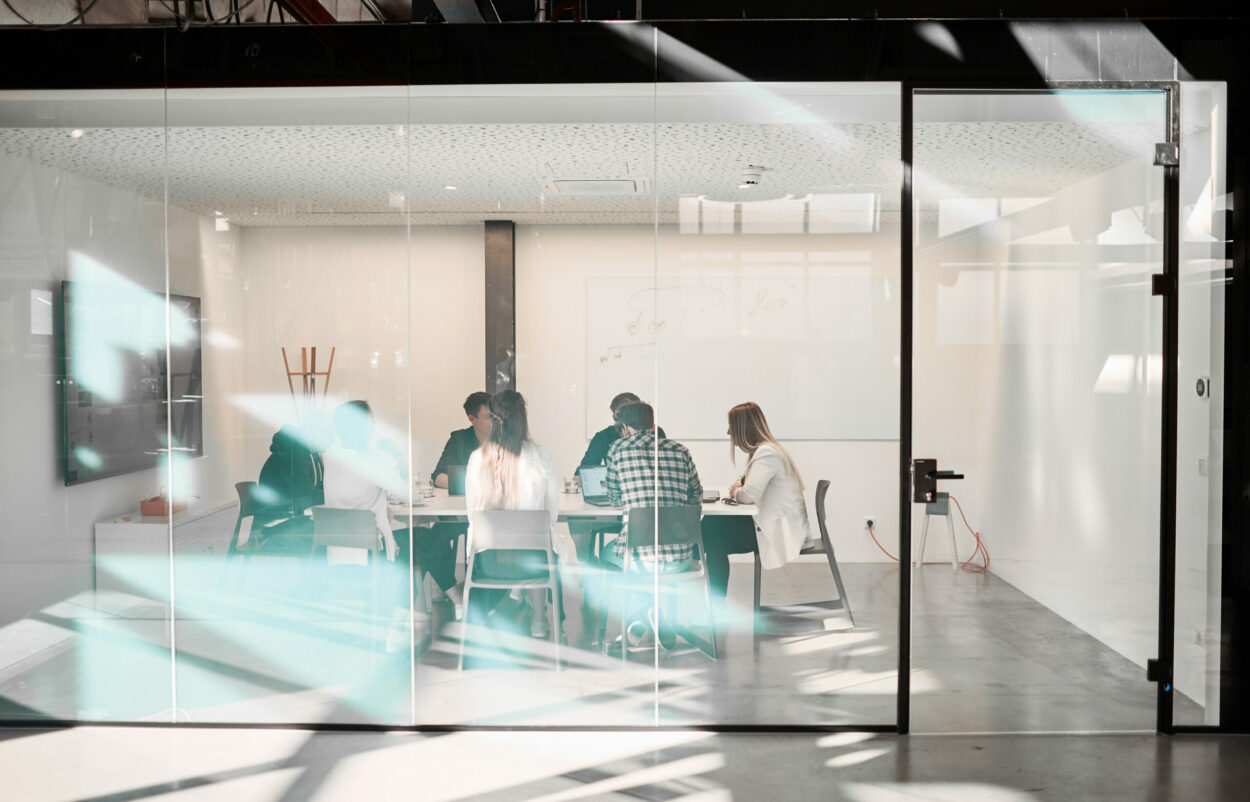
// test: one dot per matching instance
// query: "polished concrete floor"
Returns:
(106, 764)
(985, 658)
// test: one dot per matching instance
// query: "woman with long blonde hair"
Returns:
(770, 481)
(510, 472)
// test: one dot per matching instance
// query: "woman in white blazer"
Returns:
(771, 482)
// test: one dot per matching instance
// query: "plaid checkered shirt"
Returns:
(642, 474)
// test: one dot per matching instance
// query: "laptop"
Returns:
(595, 486)
(455, 479)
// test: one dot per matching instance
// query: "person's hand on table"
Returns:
(734, 488)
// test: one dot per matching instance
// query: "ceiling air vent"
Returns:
(596, 186)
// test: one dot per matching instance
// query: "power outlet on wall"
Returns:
(869, 521)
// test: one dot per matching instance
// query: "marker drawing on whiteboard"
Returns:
(638, 350)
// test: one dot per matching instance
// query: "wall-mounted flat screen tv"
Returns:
(127, 399)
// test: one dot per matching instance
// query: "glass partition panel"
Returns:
(538, 199)
(777, 332)
(294, 578)
(1205, 206)
(1038, 377)
(84, 379)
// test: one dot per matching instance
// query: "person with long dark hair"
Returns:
(771, 481)
(510, 472)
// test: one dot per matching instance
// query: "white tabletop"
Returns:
(572, 507)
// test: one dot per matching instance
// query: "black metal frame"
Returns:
(1170, 350)
(995, 56)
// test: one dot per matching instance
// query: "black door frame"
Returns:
(1167, 288)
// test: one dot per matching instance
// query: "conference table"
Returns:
(573, 508)
(445, 507)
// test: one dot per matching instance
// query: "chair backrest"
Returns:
(679, 525)
(355, 529)
(249, 501)
(822, 490)
(509, 530)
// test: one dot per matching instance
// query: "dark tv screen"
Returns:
(122, 402)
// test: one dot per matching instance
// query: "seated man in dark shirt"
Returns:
(290, 482)
(582, 532)
(460, 445)
(464, 442)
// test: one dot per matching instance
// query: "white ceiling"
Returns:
(324, 171)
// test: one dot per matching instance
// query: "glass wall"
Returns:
(1204, 209)
(292, 319)
(287, 219)
(1038, 376)
(247, 264)
(85, 345)
(777, 293)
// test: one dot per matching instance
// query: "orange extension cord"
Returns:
(968, 564)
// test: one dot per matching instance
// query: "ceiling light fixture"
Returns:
(449, 187)
(77, 132)
(751, 176)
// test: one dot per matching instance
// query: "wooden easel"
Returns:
(308, 374)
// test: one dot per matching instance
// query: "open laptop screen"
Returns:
(594, 482)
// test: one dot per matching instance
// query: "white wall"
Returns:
(552, 267)
(357, 290)
(46, 528)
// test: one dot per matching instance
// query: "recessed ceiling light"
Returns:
(744, 186)
(449, 186)
(77, 132)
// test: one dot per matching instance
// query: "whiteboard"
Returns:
(816, 346)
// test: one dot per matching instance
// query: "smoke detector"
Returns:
(752, 174)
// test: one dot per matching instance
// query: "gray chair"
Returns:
(278, 538)
(513, 531)
(677, 525)
(825, 547)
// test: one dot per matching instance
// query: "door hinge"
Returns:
(1161, 284)
(1167, 154)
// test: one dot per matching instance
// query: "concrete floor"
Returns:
(986, 658)
(104, 764)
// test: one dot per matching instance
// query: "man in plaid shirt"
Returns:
(642, 473)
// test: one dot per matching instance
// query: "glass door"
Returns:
(1038, 378)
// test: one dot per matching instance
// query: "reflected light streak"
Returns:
(940, 37)
(843, 739)
(910, 791)
(1116, 375)
(856, 758)
(111, 316)
(102, 770)
(833, 640)
(443, 768)
(679, 769)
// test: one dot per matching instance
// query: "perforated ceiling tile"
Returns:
(365, 175)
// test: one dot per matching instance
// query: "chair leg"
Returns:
(464, 624)
(837, 581)
(557, 625)
(711, 618)
(759, 571)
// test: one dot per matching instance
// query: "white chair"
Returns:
(513, 531)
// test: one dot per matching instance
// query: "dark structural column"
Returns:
(500, 305)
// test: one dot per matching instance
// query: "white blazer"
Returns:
(781, 524)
